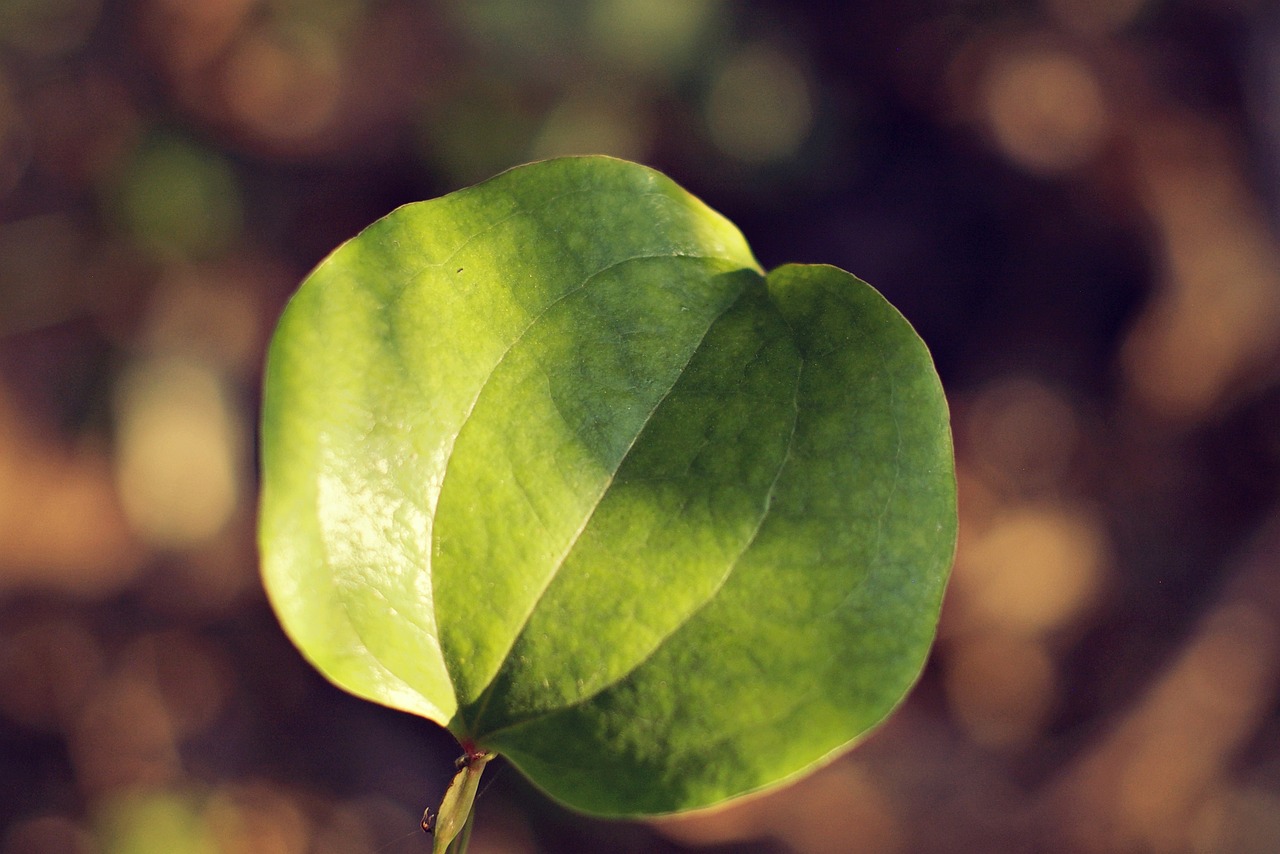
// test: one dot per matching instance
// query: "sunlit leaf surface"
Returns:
(552, 462)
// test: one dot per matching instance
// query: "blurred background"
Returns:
(1074, 201)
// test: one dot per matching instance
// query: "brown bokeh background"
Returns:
(1075, 201)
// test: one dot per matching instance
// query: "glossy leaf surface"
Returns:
(552, 462)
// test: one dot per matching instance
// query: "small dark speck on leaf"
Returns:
(459, 269)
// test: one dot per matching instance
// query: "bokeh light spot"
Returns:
(760, 107)
(155, 822)
(1216, 316)
(211, 314)
(181, 200)
(1033, 570)
(283, 89)
(257, 819)
(179, 451)
(191, 36)
(60, 517)
(654, 36)
(1045, 109)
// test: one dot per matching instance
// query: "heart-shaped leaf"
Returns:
(552, 462)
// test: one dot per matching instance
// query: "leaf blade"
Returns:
(548, 461)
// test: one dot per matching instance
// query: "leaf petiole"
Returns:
(451, 825)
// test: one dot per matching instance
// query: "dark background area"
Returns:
(1074, 201)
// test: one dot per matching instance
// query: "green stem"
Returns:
(459, 845)
(457, 810)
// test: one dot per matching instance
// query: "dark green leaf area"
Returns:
(684, 506)
(828, 615)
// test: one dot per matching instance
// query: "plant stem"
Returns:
(457, 810)
(459, 845)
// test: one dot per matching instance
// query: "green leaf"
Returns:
(552, 462)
